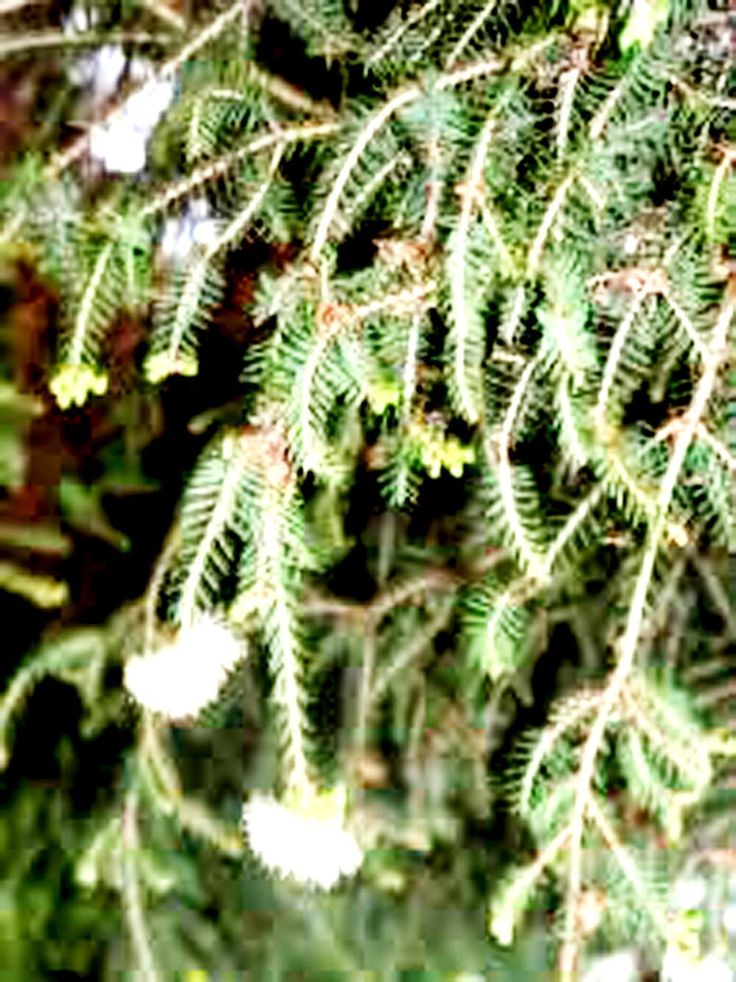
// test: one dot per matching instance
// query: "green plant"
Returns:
(511, 280)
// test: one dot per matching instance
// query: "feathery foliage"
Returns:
(509, 304)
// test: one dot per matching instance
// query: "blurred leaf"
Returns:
(81, 507)
(43, 591)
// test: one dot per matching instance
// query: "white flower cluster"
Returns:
(618, 966)
(181, 678)
(120, 143)
(316, 850)
(195, 228)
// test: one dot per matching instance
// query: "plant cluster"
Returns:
(495, 309)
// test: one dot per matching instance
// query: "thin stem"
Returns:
(132, 898)
(462, 326)
(472, 29)
(369, 131)
(530, 557)
(394, 38)
(165, 13)
(413, 649)
(218, 168)
(25, 43)
(367, 669)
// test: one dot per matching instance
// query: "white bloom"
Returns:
(181, 678)
(119, 149)
(689, 893)
(314, 850)
(80, 19)
(630, 244)
(729, 919)
(120, 143)
(193, 228)
(620, 966)
(676, 967)
(141, 69)
(148, 104)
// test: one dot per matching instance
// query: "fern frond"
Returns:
(192, 294)
(438, 32)
(209, 121)
(195, 290)
(210, 528)
(578, 533)
(566, 718)
(107, 272)
(707, 494)
(513, 514)
(318, 370)
(323, 24)
(668, 725)
(566, 345)
(97, 302)
(466, 336)
(512, 896)
(635, 880)
(399, 480)
(368, 144)
(495, 621)
(281, 627)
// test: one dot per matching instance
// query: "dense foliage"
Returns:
(440, 296)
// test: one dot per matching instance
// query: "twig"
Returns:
(396, 594)
(24, 43)
(165, 13)
(132, 892)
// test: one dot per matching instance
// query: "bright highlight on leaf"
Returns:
(501, 925)
(437, 451)
(160, 366)
(43, 591)
(644, 19)
(381, 394)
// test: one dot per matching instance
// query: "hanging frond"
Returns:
(211, 527)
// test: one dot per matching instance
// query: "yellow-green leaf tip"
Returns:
(72, 384)
(160, 366)
(382, 393)
(324, 804)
